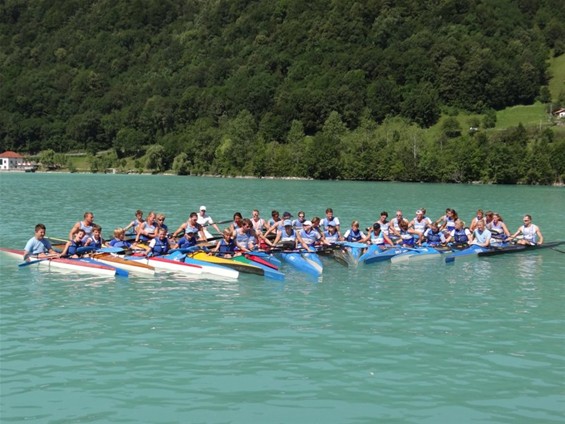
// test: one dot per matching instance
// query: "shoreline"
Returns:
(252, 177)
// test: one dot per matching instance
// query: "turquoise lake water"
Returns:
(478, 341)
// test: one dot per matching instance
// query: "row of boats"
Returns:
(113, 261)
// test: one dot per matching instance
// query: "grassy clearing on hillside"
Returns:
(531, 115)
(557, 71)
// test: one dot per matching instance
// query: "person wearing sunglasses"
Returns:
(531, 234)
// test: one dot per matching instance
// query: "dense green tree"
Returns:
(224, 81)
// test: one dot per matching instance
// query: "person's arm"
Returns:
(302, 243)
(540, 236)
(387, 239)
(74, 230)
(179, 229)
(66, 249)
(518, 232)
(277, 238)
(272, 228)
(505, 230)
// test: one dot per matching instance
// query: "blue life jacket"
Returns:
(460, 236)
(354, 235)
(161, 247)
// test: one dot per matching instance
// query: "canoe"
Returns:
(75, 265)
(297, 261)
(261, 261)
(469, 252)
(343, 257)
(270, 273)
(268, 257)
(420, 253)
(371, 250)
(207, 267)
(135, 267)
(230, 263)
(384, 255)
(517, 248)
(167, 264)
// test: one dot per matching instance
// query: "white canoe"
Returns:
(65, 264)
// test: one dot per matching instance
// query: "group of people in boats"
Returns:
(248, 234)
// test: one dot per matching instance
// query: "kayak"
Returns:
(344, 257)
(119, 271)
(75, 265)
(130, 266)
(468, 252)
(516, 248)
(261, 261)
(384, 255)
(417, 254)
(269, 272)
(207, 267)
(268, 257)
(167, 264)
(241, 267)
(303, 264)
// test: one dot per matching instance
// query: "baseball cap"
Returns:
(305, 223)
(202, 208)
(287, 223)
(287, 214)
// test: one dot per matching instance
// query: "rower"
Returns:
(119, 239)
(38, 246)
(206, 220)
(226, 246)
(481, 235)
(377, 237)
(95, 239)
(330, 219)
(331, 236)
(433, 236)
(498, 229)
(71, 248)
(354, 234)
(420, 223)
(531, 233)
(85, 225)
(288, 236)
(460, 236)
(134, 225)
(159, 245)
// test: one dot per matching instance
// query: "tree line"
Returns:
(285, 88)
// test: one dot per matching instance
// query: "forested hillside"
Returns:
(322, 89)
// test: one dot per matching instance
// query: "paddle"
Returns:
(351, 244)
(23, 264)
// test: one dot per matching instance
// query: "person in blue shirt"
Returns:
(160, 245)
(38, 246)
(119, 239)
(72, 246)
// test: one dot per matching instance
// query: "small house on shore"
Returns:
(12, 161)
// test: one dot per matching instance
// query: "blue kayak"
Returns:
(469, 252)
(307, 265)
(384, 255)
(417, 254)
(119, 271)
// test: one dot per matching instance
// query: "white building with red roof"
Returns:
(12, 161)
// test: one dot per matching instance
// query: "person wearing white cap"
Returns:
(288, 236)
(206, 220)
(310, 236)
(420, 223)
